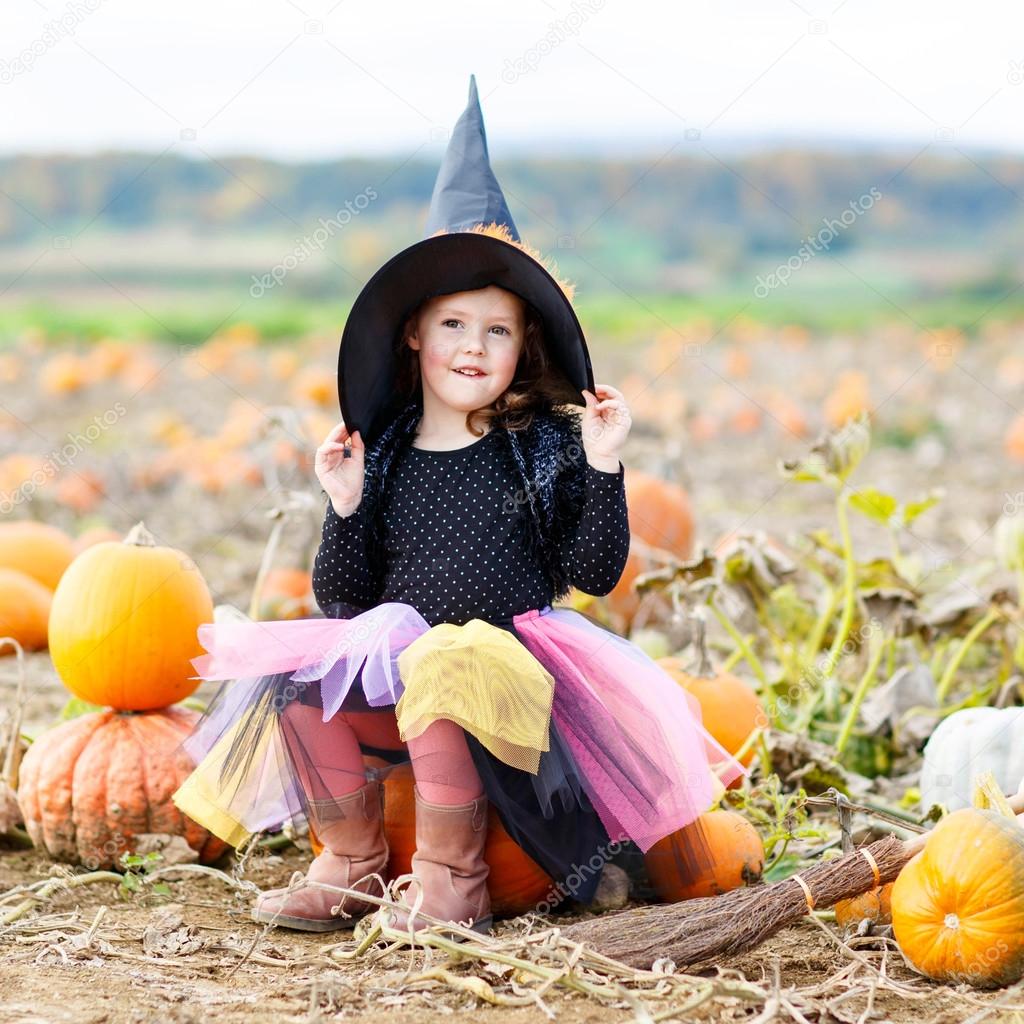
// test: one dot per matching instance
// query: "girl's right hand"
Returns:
(341, 477)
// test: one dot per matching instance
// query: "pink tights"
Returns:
(332, 763)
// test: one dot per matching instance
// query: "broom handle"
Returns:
(915, 845)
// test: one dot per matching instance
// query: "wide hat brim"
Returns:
(439, 265)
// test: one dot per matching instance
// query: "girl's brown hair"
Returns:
(536, 387)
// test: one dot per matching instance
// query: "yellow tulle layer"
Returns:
(483, 678)
(205, 800)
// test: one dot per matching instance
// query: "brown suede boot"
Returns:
(449, 863)
(352, 831)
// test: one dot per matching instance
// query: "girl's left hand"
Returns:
(606, 422)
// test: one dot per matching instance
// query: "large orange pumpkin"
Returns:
(730, 710)
(37, 549)
(24, 610)
(124, 624)
(516, 883)
(958, 905)
(90, 786)
(734, 849)
(659, 513)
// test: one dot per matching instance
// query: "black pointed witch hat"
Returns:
(471, 242)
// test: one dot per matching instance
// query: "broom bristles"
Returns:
(698, 930)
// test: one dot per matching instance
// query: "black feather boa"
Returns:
(548, 461)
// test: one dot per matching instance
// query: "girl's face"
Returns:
(480, 330)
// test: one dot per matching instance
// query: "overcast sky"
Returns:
(299, 79)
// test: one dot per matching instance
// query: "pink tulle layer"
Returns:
(646, 760)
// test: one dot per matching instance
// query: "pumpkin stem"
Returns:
(988, 795)
(140, 536)
(704, 667)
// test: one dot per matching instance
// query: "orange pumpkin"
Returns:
(63, 374)
(875, 905)
(659, 513)
(106, 359)
(283, 363)
(286, 594)
(1013, 440)
(733, 856)
(730, 710)
(622, 600)
(316, 384)
(848, 399)
(958, 904)
(36, 549)
(80, 491)
(516, 884)
(747, 419)
(124, 624)
(95, 535)
(24, 610)
(89, 787)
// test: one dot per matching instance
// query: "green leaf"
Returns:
(823, 539)
(912, 509)
(871, 502)
(808, 470)
(789, 613)
(76, 707)
(786, 865)
(834, 456)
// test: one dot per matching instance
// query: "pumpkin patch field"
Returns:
(827, 556)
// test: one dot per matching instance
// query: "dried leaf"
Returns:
(911, 686)
(172, 849)
(168, 935)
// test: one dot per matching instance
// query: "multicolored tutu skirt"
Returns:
(580, 738)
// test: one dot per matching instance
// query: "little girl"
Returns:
(464, 498)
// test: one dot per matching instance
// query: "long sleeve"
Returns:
(597, 555)
(342, 582)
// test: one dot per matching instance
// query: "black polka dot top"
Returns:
(454, 552)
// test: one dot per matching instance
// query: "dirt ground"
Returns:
(91, 957)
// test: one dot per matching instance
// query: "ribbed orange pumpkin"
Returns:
(37, 549)
(90, 786)
(958, 905)
(516, 884)
(124, 624)
(659, 513)
(733, 845)
(24, 610)
(874, 905)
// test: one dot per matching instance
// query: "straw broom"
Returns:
(695, 931)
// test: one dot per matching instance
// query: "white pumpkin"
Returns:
(967, 742)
